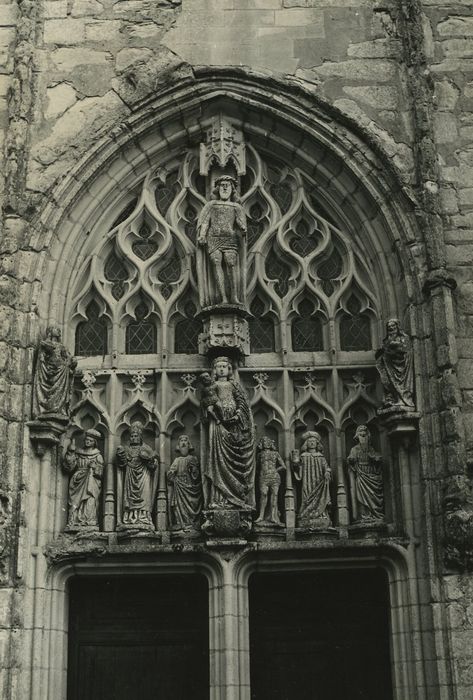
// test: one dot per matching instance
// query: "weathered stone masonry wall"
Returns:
(87, 61)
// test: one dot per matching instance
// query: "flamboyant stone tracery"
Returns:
(221, 271)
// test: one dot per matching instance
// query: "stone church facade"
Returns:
(236, 349)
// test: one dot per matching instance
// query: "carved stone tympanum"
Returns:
(229, 469)
(313, 470)
(394, 363)
(366, 479)
(139, 463)
(269, 465)
(185, 487)
(221, 231)
(85, 465)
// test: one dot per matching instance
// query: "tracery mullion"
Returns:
(110, 490)
(289, 444)
(163, 448)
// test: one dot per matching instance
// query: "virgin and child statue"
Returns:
(229, 467)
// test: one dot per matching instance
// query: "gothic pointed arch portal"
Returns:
(332, 251)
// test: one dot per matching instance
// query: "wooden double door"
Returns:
(313, 635)
(139, 638)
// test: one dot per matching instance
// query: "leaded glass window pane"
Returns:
(145, 247)
(165, 193)
(141, 334)
(261, 329)
(278, 271)
(330, 269)
(186, 331)
(91, 335)
(307, 329)
(116, 272)
(355, 327)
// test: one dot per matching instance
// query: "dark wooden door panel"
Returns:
(320, 636)
(139, 638)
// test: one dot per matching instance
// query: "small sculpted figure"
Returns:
(221, 228)
(85, 466)
(394, 363)
(209, 401)
(366, 478)
(53, 378)
(312, 469)
(139, 463)
(229, 468)
(269, 464)
(186, 487)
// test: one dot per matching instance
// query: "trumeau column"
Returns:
(228, 434)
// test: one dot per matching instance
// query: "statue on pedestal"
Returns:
(139, 463)
(312, 469)
(229, 469)
(186, 487)
(85, 466)
(53, 379)
(366, 478)
(221, 264)
(394, 363)
(269, 464)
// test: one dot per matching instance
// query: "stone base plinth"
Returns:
(227, 523)
(224, 330)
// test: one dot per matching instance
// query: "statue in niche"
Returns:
(366, 478)
(269, 464)
(186, 487)
(229, 468)
(139, 463)
(313, 470)
(53, 378)
(394, 363)
(221, 232)
(85, 466)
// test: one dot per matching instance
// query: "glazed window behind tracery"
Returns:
(309, 290)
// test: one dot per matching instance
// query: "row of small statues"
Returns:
(189, 495)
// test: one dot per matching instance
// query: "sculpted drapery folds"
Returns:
(85, 466)
(53, 377)
(221, 260)
(394, 363)
(366, 478)
(312, 469)
(138, 463)
(185, 486)
(229, 469)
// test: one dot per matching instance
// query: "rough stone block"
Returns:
(446, 95)
(64, 31)
(298, 17)
(103, 30)
(445, 127)
(67, 59)
(81, 8)
(60, 98)
(458, 48)
(127, 57)
(456, 26)
(55, 9)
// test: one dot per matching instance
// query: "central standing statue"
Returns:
(139, 463)
(229, 468)
(221, 232)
